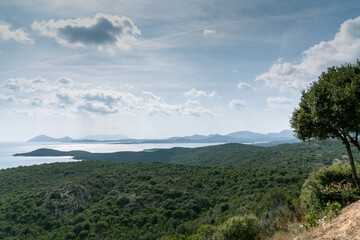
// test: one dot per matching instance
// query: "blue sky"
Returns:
(155, 69)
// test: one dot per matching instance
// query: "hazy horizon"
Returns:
(129, 137)
(160, 69)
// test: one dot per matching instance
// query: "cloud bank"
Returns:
(103, 31)
(18, 35)
(63, 96)
(344, 47)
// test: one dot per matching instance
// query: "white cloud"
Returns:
(344, 47)
(63, 96)
(103, 31)
(192, 103)
(157, 105)
(92, 107)
(209, 32)
(153, 97)
(5, 98)
(23, 84)
(199, 93)
(238, 104)
(245, 86)
(17, 35)
(12, 84)
(279, 102)
(36, 101)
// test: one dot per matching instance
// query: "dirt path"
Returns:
(346, 226)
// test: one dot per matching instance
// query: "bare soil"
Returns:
(346, 226)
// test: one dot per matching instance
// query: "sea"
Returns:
(8, 149)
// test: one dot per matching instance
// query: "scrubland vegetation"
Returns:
(158, 200)
(109, 200)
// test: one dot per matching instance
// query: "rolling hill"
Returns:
(314, 154)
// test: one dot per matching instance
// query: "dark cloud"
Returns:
(102, 31)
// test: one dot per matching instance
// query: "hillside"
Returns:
(346, 226)
(314, 154)
(144, 195)
(111, 200)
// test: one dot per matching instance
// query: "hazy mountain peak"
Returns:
(44, 138)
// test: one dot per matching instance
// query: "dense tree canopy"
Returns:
(330, 108)
(112, 200)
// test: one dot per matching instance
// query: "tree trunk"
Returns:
(352, 164)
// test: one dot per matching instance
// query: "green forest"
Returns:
(165, 194)
(112, 200)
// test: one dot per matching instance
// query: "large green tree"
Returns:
(330, 108)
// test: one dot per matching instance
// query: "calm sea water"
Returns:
(9, 149)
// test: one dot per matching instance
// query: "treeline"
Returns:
(111, 200)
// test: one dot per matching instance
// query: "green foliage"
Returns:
(315, 218)
(241, 227)
(204, 232)
(111, 200)
(330, 107)
(312, 219)
(329, 184)
(332, 209)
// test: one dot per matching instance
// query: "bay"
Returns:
(8, 149)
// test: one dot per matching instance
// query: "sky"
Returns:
(157, 69)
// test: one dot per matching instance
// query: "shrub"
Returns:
(203, 232)
(332, 209)
(245, 227)
(329, 184)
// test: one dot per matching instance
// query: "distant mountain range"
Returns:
(235, 137)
